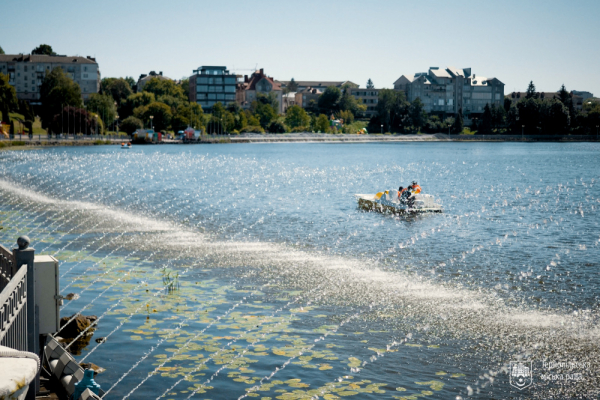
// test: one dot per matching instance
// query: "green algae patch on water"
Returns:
(434, 385)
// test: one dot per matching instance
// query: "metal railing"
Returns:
(13, 311)
(7, 266)
(19, 324)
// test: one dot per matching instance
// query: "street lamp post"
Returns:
(382, 129)
(151, 123)
(117, 121)
(522, 132)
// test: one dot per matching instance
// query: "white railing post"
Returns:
(25, 255)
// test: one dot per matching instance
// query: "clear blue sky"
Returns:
(549, 42)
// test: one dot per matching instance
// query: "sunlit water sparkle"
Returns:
(370, 305)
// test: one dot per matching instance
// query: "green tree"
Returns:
(590, 119)
(264, 112)
(57, 91)
(293, 86)
(277, 127)
(164, 87)
(434, 124)
(134, 101)
(565, 97)
(295, 116)
(393, 111)
(529, 115)
(26, 110)
(2, 50)
(105, 83)
(189, 114)
(531, 94)
(171, 101)
(322, 124)
(233, 108)
(555, 118)
(96, 125)
(104, 106)
(350, 103)
(449, 123)
(512, 119)
(253, 121)
(43, 49)
(8, 98)
(217, 110)
(132, 83)
(241, 121)
(498, 117)
(507, 104)
(269, 99)
(458, 123)
(161, 113)
(73, 120)
(418, 116)
(119, 89)
(131, 124)
(485, 127)
(370, 84)
(329, 101)
(346, 115)
(216, 126)
(185, 86)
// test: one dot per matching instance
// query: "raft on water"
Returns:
(388, 202)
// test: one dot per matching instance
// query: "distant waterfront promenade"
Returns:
(304, 137)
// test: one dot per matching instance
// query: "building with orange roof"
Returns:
(258, 83)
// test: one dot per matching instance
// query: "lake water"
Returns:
(234, 271)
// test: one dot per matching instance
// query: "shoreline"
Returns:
(36, 143)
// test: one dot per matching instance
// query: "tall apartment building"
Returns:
(367, 97)
(26, 73)
(210, 85)
(446, 91)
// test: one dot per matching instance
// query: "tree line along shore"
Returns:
(164, 105)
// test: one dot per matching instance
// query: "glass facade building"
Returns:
(210, 85)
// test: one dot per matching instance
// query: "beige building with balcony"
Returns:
(367, 97)
(446, 91)
(303, 97)
(26, 73)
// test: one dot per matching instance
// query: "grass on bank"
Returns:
(37, 126)
(11, 143)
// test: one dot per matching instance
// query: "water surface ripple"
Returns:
(392, 307)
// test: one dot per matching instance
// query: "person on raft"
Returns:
(404, 194)
(415, 188)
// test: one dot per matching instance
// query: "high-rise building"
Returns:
(210, 85)
(26, 73)
(447, 91)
